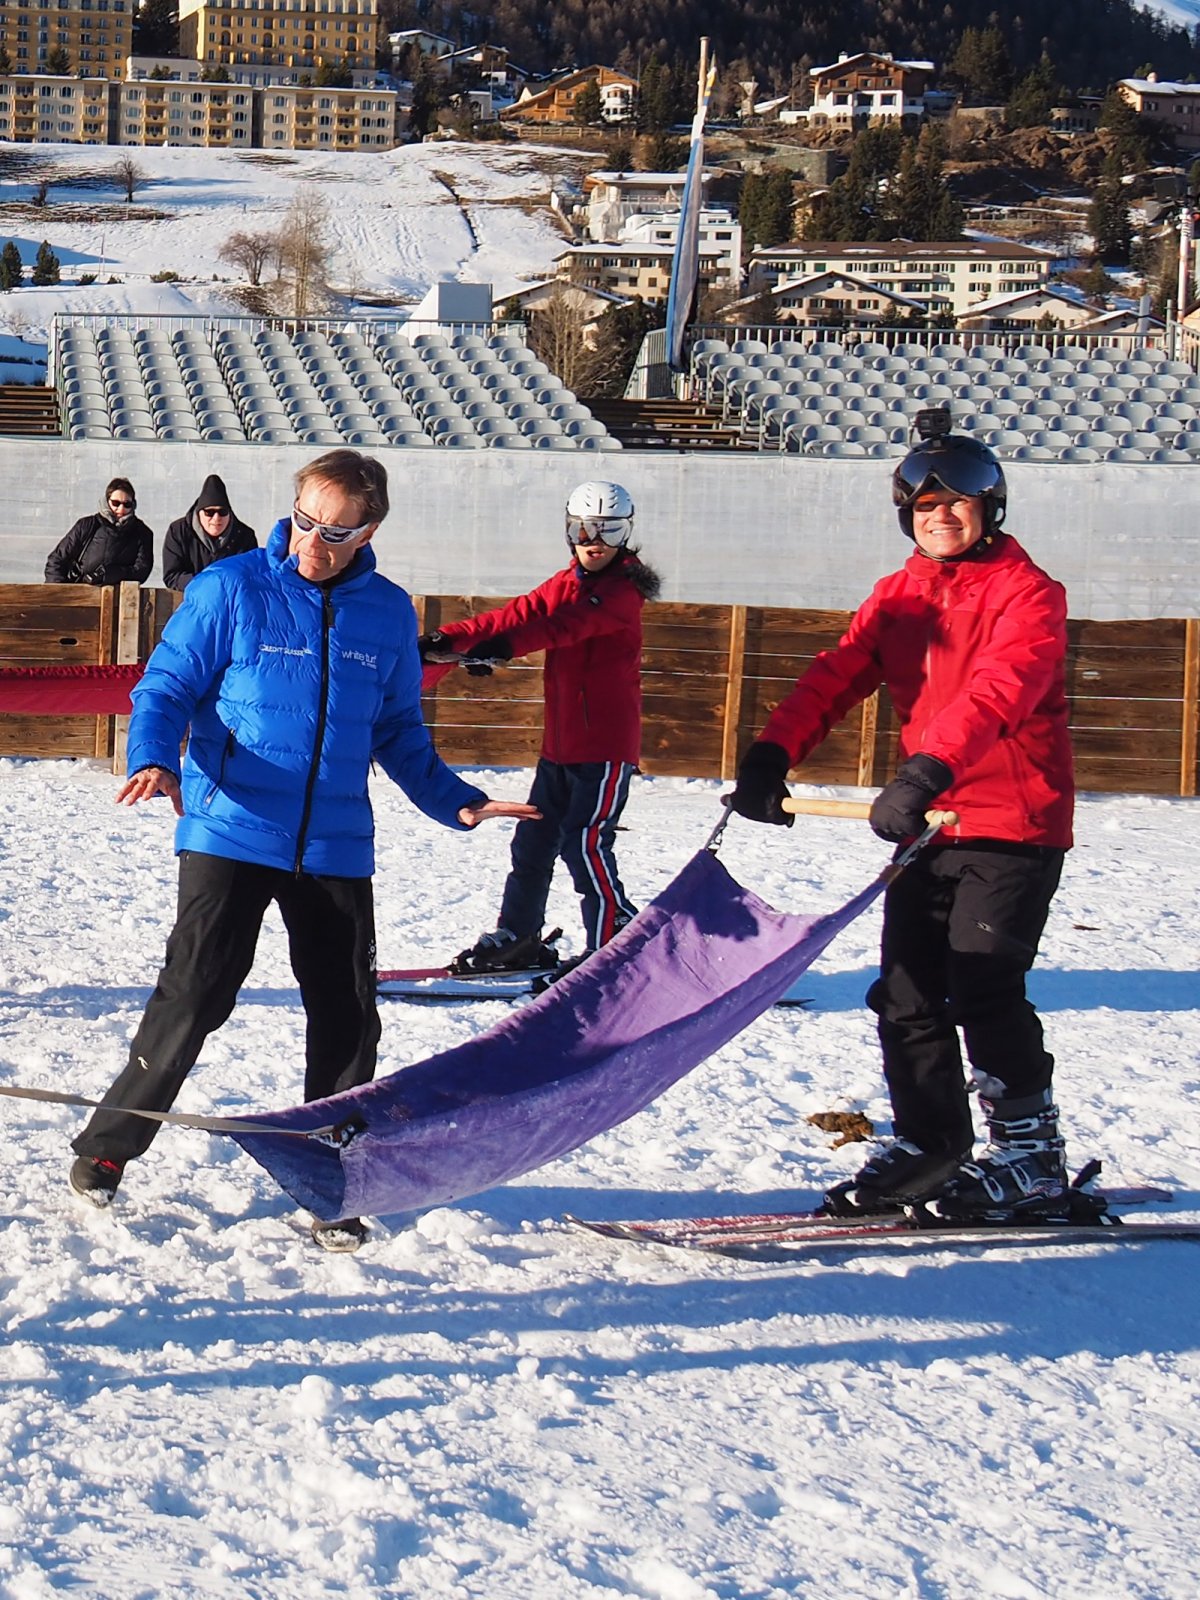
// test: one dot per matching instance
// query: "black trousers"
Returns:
(581, 804)
(960, 931)
(330, 924)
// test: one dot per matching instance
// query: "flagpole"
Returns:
(685, 264)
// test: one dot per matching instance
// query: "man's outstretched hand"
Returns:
(144, 785)
(469, 816)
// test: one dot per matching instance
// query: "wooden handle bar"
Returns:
(855, 808)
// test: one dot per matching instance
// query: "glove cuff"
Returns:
(764, 755)
(927, 772)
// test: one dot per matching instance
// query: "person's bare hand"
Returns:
(469, 816)
(144, 785)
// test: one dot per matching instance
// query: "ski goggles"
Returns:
(328, 532)
(613, 531)
(961, 472)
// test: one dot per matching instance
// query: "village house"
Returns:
(555, 102)
(1175, 105)
(865, 87)
(825, 299)
(612, 198)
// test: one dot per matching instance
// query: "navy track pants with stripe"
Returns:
(580, 804)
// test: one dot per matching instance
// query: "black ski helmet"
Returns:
(954, 461)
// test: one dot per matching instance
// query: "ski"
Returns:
(439, 983)
(780, 1236)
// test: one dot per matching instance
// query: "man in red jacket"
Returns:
(588, 620)
(970, 639)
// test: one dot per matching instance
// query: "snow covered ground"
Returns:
(399, 222)
(196, 1403)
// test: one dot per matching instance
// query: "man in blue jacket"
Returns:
(295, 667)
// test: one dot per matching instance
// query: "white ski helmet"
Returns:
(599, 510)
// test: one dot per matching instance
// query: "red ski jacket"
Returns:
(972, 652)
(590, 626)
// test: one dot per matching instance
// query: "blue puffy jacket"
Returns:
(291, 690)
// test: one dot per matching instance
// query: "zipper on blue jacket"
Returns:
(322, 708)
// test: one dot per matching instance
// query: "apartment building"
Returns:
(218, 116)
(55, 110)
(298, 118)
(302, 34)
(212, 115)
(945, 276)
(642, 269)
(720, 237)
(92, 37)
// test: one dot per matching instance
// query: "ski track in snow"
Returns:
(197, 1403)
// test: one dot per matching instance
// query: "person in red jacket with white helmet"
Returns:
(970, 639)
(588, 620)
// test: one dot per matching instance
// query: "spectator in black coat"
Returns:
(209, 532)
(113, 546)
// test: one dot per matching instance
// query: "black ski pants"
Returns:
(961, 926)
(581, 804)
(330, 925)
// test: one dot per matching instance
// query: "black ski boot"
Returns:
(898, 1175)
(1022, 1174)
(504, 951)
(94, 1180)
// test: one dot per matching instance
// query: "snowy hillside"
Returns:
(483, 1404)
(399, 222)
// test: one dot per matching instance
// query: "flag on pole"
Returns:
(685, 265)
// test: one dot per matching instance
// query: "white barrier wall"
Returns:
(720, 528)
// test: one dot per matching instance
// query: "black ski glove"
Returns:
(898, 811)
(761, 789)
(435, 649)
(96, 577)
(478, 659)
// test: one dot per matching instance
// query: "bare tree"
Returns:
(305, 250)
(562, 335)
(249, 253)
(127, 175)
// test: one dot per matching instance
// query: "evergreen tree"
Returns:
(45, 268)
(982, 65)
(1131, 146)
(429, 94)
(333, 75)
(156, 28)
(58, 61)
(765, 208)
(1109, 222)
(11, 270)
(5, 62)
(588, 108)
(1033, 98)
(920, 205)
(215, 72)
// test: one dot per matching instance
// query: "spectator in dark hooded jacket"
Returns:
(209, 532)
(113, 546)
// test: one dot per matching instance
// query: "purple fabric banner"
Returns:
(687, 974)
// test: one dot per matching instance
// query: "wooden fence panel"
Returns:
(711, 677)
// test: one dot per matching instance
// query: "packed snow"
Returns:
(485, 1403)
(398, 222)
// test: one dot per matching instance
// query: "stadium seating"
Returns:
(348, 385)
